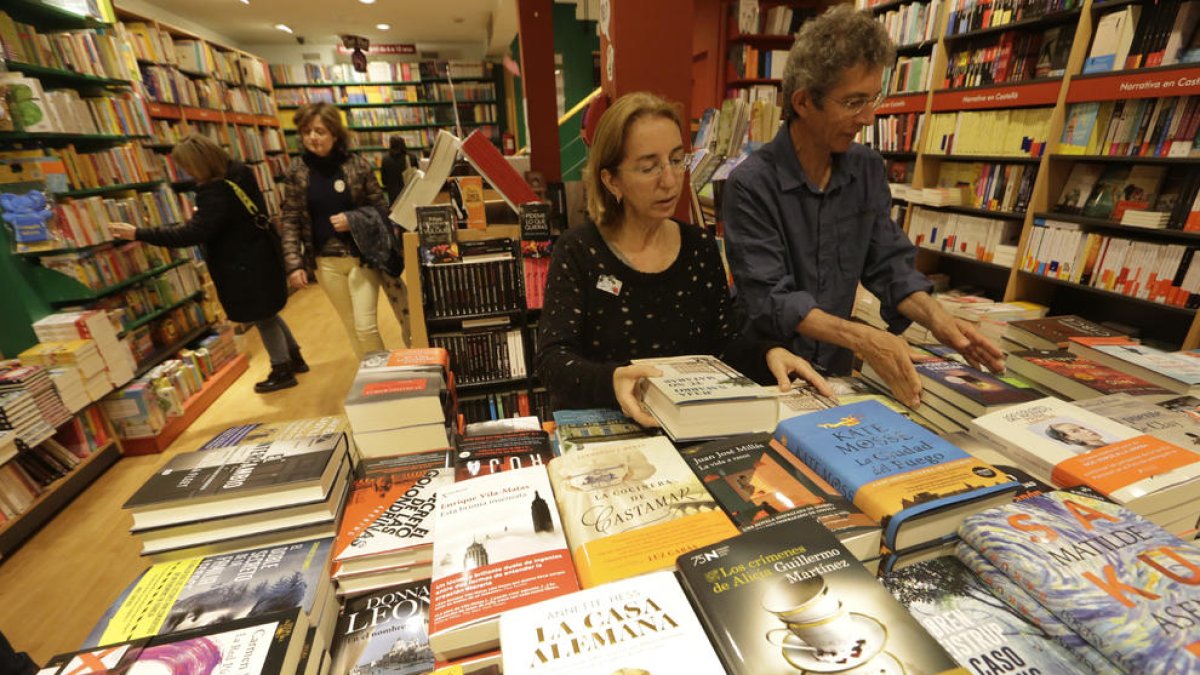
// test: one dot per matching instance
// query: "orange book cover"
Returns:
(471, 188)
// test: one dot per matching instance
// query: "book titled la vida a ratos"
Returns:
(1128, 587)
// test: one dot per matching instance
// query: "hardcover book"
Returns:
(978, 629)
(198, 592)
(379, 401)
(1122, 583)
(265, 432)
(916, 484)
(789, 599)
(699, 397)
(968, 388)
(1054, 332)
(1007, 590)
(385, 632)
(630, 506)
(759, 484)
(484, 455)
(500, 546)
(1075, 377)
(638, 625)
(1078, 447)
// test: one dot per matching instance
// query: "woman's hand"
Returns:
(298, 279)
(340, 222)
(122, 231)
(629, 385)
(783, 364)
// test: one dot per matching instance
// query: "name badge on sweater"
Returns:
(339, 186)
(609, 284)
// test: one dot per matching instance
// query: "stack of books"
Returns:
(36, 380)
(80, 356)
(401, 401)
(91, 325)
(19, 412)
(266, 492)
(1072, 377)
(1176, 371)
(1052, 332)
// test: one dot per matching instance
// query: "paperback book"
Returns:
(759, 484)
(630, 506)
(1170, 370)
(915, 483)
(1054, 332)
(399, 533)
(1122, 583)
(576, 428)
(266, 432)
(385, 632)
(484, 455)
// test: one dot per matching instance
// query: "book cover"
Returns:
(1183, 370)
(1122, 583)
(425, 188)
(1080, 183)
(1106, 192)
(225, 473)
(484, 455)
(265, 432)
(892, 469)
(535, 221)
(638, 625)
(690, 380)
(630, 506)
(383, 400)
(1055, 331)
(971, 389)
(800, 401)
(699, 397)
(1096, 379)
(759, 483)
(575, 428)
(400, 519)
(433, 360)
(500, 546)
(1149, 418)
(436, 225)
(471, 190)
(487, 160)
(791, 599)
(385, 632)
(1007, 590)
(198, 592)
(1078, 128)
(1139, 190)
(979, 630)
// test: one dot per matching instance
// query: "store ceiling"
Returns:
(321, 21)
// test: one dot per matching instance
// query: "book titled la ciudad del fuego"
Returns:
(1128, 587)
(915, 483)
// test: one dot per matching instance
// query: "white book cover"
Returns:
(407, 523)
(700, 379)
(1168, 364)
(421, 192)
(640, 625)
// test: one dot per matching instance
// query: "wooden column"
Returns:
(536, 26)
(648, 47)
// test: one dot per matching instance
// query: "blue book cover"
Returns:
(1128, 587)
(894, 470)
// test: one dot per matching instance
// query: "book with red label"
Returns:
(1172, 370)
(478, 456)
(379, 401)
(500, 546)
(1075, 377)
(1054, 332)
(432, 360)
(1078, 447)
(492, 165)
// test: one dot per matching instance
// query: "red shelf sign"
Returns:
(241, 118)
(1155, 84)
(204, 115)
(1003, 96)
(902, 103)
(163, 110)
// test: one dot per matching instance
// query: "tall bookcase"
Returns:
(926, 163)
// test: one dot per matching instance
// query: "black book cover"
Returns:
(385, 632)
(484, 455)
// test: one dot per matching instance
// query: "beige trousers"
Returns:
(354, 292)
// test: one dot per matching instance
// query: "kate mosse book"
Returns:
(1075, 377)
(700, 397)
(1054, 332)
(1171, 370)
(266, 644)
(500, 546)
(1020, 601)
(639, 625)
(915, 483)
(1128, 587)
(385, 632)
(759, 484)
(791, 599)
(630, 507)
(185, 594)
(399, 534)
(237, 480)
(979, 630)
(484, 455)
(1079, 447)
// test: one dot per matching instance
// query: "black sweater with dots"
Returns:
(600, 313)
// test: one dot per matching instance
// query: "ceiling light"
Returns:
(245, 2)
(367, 2)
(383, 26)
(284, 28)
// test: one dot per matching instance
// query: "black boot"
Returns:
(281, 377)
(297, 361)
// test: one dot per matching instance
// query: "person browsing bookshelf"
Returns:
(327, 189)
(634, 282)
(240, 246)
(807, 218)
(395, 167)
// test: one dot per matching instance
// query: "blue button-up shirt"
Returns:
(794, 247)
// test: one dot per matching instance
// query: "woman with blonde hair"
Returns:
(240, 247)
(637, 283)
(327, 188)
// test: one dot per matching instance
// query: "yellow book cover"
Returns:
(632, 506)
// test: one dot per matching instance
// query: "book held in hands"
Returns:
(699, 397)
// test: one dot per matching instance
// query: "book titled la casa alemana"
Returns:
(914, 482)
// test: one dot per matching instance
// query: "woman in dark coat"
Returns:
(244, 259)
(391, 170)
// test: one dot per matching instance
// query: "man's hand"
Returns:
(962, 337)
(891, 358)
(783, 364)
(122, 231)
(629, 385)
(340, 222)
(298, 279)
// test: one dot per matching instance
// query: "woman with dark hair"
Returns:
(394, 166)
(326, 187)
(241, 249)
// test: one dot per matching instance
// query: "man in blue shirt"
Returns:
(807, 218)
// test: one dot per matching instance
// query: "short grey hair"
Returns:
(827, 46)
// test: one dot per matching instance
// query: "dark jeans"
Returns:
(13, 662)
(278, 340)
